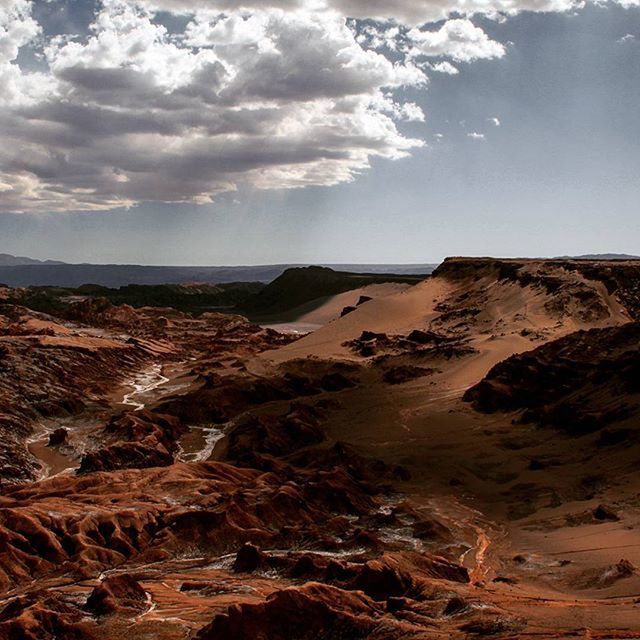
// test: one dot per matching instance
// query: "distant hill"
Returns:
(7, 260)
(193, 298)
(600, 256)
(110, 275)
(298, 286)
(310, 286)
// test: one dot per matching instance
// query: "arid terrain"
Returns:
(455, 458)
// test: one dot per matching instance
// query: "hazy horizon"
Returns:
(62, 262)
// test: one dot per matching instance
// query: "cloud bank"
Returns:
(268, 93)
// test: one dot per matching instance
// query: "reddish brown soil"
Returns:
(355, 493)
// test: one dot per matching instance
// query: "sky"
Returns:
(299, 131)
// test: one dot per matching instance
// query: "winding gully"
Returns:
(155, 383)
(146, 388)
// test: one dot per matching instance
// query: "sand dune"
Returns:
(506, 309)
(398, 312)
(534, 490)
(317, 313)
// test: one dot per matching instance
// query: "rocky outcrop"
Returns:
(572, 284)
(125, 455)
(604, 577)
(405, 373)
(311, 611)
(48, 530)
(276, 435)
(58, 437)
(44, 615)
(580, 383)
(120, 594)
(423, 344)
(223, 397)
(135, 440)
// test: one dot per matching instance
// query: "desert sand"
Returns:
(311, 317)
(566, 568)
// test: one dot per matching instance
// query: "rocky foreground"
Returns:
(456, 460)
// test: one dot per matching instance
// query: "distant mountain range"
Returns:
(26, 272)
(7, 260)
(600, 256)
(19, 271)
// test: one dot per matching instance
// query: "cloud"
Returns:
(474, 135)
(274, 100)
(17, 29)
(495, 121)
(272, 94)
(408, 12)
(445, 67)
(458, 39)
(418, 12)
(629, 37)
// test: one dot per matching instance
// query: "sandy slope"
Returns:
(317, 313)
(506, 310)
(568, 581)
(405, 310)
(332, 308)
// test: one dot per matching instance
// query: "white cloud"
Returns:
(408, 12)
(233, 30)
(274, 99)
(380, 37)
(458, 39)
(474, 135)
(629, 37)
(445, 67)
(269, 93)
(411, 112)
(495, 121)
(17, 29)
(125, 37)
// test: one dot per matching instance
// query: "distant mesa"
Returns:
(26, 272)
(600, 256)
(21, 271)
(8, 260)
(310, 285)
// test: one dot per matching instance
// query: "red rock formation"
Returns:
(276, 434)
(579, 383)
(120, 594)
(135, 440)
(58, 437)
(311, 611)
(51, 375)
(44, 616)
